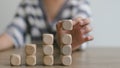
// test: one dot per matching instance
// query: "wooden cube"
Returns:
(66, 60)
(48, 60)
(66, 50)
(15, 60)
(31, 60)
(66, 39)
(30, 49)
(48, 39)
(48, 49)
(67, 24)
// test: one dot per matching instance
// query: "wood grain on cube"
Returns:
(66, 50)
(48, 49)
(48, 39)
(31, 60)
(15, 59)
(48, 60)
(30, 49)
(66, 39)
(66, 60)
(67, 24)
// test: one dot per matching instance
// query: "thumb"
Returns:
(59, 26)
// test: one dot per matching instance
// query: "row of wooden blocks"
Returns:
(48, 49)
(30, 51)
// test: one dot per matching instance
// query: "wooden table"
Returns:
(91, 58)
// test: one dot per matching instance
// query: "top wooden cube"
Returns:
(48, 39)
(30, 49)
(67, 24)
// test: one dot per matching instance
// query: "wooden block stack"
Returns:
(66, 41)
(15, 60)
(48, 49)
(30, 51)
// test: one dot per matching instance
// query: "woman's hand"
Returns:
(79, 33)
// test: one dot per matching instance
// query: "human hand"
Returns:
(81, 27)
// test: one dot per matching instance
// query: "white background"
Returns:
(106, 23)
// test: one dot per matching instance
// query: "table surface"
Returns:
(90, 58)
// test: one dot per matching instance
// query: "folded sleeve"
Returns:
(17, 29)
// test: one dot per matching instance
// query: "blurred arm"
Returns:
(15, 32)
(5, 42)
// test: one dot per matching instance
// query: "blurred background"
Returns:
(106, 20)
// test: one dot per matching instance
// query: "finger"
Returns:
(78, 21)
(86, 29)
(88, 38)
(86, 21)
